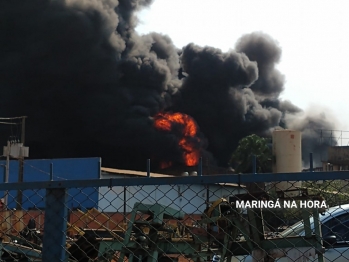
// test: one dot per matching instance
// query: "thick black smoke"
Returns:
(263, 49)
(88, 84)
(91, 86)
(230, 102)
(216, 94)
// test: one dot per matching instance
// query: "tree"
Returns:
(249, 146)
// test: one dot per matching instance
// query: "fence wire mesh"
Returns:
(284, 221)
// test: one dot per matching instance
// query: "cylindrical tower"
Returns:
(287, 158)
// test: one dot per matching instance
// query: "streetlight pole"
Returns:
(7, 153)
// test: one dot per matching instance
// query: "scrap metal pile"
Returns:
(158, 233)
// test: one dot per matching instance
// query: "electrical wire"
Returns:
(7, 123)
(14, 122)
(11, 118)
(43, 171)
(15, 134)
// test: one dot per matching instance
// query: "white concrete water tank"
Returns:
(287, 158)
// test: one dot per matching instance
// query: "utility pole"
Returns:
(16, 150)
(7, 171)
(21, 165)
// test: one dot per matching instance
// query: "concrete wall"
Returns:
(190, 199)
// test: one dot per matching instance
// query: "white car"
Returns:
(335, 229)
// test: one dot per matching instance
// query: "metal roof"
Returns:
(124, 172)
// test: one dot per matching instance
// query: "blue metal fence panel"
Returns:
(38, 170)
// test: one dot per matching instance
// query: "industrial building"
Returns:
(53, 169)
(189, 198)
(337, 159)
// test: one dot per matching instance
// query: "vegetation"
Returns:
(335, 192)
(249, 146)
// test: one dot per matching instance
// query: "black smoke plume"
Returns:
(229, 101)
(88, 84)
(91, 86)
(263, 49)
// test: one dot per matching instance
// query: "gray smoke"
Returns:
(316, 138)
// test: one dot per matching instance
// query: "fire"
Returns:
(164, 164)
(188, 132)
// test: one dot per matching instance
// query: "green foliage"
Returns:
(249, 146)
(335, 192)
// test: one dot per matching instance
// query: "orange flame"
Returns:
(164, 165)
(166, 121)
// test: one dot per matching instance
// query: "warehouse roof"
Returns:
(131, 172)
(124, 172)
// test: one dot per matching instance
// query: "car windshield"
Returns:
(295, 230)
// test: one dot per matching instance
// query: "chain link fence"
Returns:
(199, 218)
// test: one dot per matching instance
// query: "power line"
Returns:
(43, 171)
(9, 123)
(11, 118)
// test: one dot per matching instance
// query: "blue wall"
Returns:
(63, 169)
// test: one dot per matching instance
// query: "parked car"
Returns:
(335, 235)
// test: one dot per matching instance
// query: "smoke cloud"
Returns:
(91, 86)
(317, 128)
(264, 50)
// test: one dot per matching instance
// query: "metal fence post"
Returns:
(254, 164)
(56, 213)
(311, 162)
(200, 167)
(148, 167)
